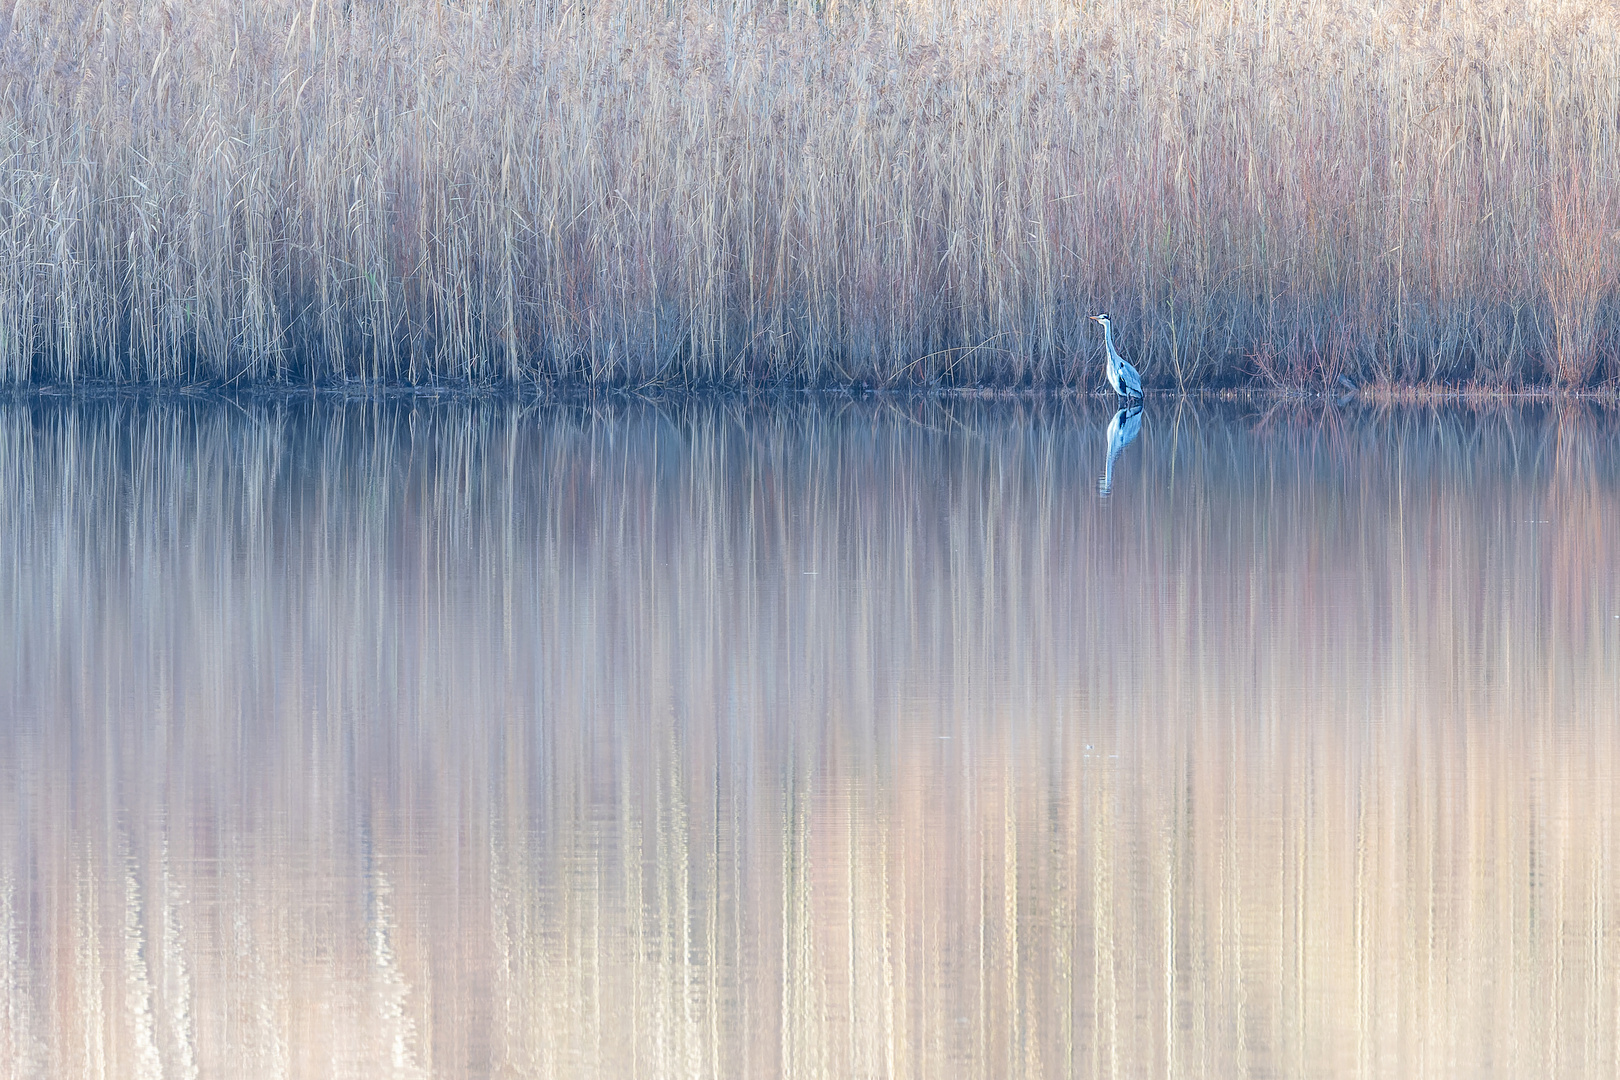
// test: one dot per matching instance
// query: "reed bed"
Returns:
(1284, 191)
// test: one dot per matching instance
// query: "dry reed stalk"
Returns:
(890, 193)
(1578, 269)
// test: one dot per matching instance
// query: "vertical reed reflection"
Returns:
(473, 739)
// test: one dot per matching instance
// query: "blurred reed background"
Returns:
(1280, 191)
(433, 740)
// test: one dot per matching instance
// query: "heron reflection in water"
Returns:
(1125, 426)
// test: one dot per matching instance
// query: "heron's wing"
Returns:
(1130, 375)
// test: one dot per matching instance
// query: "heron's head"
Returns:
(1103, 318)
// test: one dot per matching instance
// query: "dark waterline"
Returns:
(488, 737)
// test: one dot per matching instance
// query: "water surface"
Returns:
(462, 739)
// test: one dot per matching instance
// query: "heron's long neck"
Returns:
(1108, 336)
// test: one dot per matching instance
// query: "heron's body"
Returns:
(1125, 379)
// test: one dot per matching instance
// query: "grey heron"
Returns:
(1125, 426)
(1121, 375)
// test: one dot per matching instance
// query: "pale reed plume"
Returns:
(729, 192)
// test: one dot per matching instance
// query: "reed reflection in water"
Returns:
(720, 740)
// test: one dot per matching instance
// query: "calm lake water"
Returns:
(403, 738)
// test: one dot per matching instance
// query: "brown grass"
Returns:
(887, 192)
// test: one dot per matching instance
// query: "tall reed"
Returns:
(887, 192)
